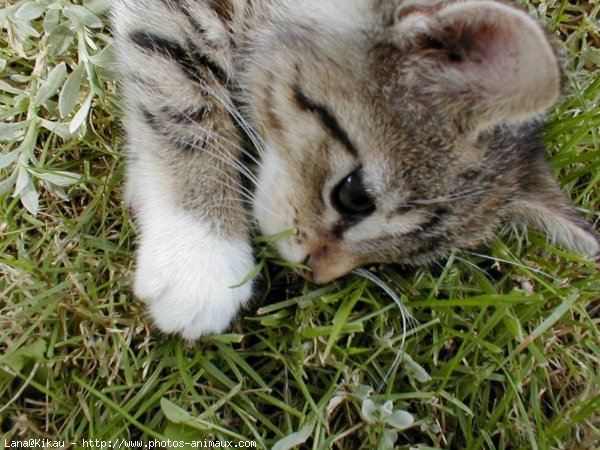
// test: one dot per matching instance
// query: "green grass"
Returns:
(505, 354)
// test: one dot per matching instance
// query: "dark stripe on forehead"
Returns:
(188, 60)
(327, 119)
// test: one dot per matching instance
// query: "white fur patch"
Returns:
(336, 14)
(185, 272)
(273, 203)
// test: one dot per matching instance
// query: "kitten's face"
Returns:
(377, 149)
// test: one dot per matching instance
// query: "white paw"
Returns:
(187, 275)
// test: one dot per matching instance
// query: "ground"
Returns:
(503, 351)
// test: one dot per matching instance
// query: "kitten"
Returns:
(388, 131)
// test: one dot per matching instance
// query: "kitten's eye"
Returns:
(350, 197)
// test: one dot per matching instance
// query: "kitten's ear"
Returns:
(489, 58)
(542, 203)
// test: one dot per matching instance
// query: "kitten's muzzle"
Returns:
(327, 263)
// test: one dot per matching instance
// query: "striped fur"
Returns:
(435, 105)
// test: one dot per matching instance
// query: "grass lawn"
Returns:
(502, 351)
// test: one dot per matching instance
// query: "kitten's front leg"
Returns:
(183, 174)
(185, 189)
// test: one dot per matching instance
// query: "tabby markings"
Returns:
(187, 60)
(223, 9)
(327, 119)
(160, 126)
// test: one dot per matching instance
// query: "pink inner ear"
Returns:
(479, 43)
(490, 44)
(492, 57)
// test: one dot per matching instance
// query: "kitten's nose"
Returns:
(326, 264)
(307, 274)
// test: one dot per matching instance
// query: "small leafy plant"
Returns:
(49, 91)
(386, 422)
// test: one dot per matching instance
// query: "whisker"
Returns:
(246, 198)
(216, 136)
(234, 162)
(241, 167)
(450, 198)
(235, 114)
(237, 165)
(237, 188)
(245, 171)
(405, 314)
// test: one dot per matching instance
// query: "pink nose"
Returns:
(326, 265)
(307, 274)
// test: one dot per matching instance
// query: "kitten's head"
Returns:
(400, 131)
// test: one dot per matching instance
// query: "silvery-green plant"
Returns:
(385, 421)
(53, 94)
